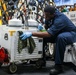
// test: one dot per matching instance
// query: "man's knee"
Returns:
(60, 37)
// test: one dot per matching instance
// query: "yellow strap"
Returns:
(0, 16)
(0, 22)
(5, 8)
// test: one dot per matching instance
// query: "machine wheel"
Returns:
(1, 64)
(39, 64)
(12, 68)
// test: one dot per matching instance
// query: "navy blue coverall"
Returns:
(63, 33)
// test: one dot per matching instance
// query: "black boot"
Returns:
(57, 69)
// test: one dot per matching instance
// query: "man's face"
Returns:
(48, 16)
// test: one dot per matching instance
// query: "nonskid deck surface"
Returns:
(24, 69)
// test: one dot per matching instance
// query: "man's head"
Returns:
(49, 12)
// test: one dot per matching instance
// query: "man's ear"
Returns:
(53, 15)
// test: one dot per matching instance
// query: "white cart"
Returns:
(9, 40)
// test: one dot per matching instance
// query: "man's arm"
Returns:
(41, 34)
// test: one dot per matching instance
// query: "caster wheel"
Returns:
(12, 68)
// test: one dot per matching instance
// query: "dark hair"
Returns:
(50, 9)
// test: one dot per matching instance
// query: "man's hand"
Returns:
(40, 27)
(26, 35)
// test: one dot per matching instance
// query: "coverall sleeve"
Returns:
(56, 27)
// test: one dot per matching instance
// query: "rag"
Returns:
(29, 43)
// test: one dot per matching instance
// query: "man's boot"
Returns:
(57, 69)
